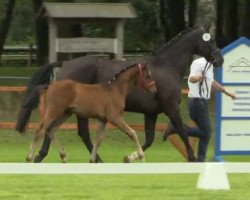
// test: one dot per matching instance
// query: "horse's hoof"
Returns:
(192, 159)
(126, 159)
(38, 159)
(98, 160)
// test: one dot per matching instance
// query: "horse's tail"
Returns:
(38, 81)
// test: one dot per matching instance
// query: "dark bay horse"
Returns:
(104, 101)
(167, 65)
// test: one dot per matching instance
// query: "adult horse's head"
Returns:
(207, 48)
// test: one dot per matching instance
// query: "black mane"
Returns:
(174, 39)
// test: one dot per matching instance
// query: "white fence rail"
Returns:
(117, 168)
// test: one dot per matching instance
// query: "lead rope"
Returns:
(208, 64)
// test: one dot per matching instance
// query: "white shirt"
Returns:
(197, 68)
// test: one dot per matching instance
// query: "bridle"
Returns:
(211, 61)
(142, 83)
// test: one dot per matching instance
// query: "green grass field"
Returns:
(170, 186)
(116, 187)
(14, 147)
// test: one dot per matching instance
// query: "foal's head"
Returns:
(207, 48)
(145, 80)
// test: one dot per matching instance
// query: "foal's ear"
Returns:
(142, 65)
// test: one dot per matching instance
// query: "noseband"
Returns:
(213, 59)
(213, 51)
(142, 83)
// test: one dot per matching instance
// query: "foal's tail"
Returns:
(38, 81)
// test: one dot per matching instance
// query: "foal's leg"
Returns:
(37, 135)
(83, 132)
(50, 129)
(44, 149)
(54, 140)
(122, 125)
(99, 138)
(150, 121)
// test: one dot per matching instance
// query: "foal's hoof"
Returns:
(126, 159)
(29, 159)
(63, 157)
(142, 159)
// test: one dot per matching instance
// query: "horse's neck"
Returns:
(178, 56)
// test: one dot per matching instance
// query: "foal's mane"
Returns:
(117, 75)
(174, 39)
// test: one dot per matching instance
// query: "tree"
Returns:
(172, 17)
(206, 14)
(192, 12)
(245, 25)
(5, 22)
(41, 33)
(227, 22)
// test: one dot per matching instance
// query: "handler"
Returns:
(200, 82)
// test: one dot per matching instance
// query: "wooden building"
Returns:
(116, 13)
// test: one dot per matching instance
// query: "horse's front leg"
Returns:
(150, 122)
(176, 120)
(83, 132)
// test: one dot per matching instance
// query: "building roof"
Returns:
(89, 10)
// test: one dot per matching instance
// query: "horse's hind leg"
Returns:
(83, 132)
(176, 120)
(121, 124)
(99, 138)
(37, 135)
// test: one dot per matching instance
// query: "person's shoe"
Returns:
(169, 131)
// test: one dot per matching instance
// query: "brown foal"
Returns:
(105, 101)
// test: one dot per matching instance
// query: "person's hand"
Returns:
(230, 94)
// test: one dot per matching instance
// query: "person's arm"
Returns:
(196, 78)
(219, 87)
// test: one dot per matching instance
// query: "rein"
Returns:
(207, 66)
(142, 82)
